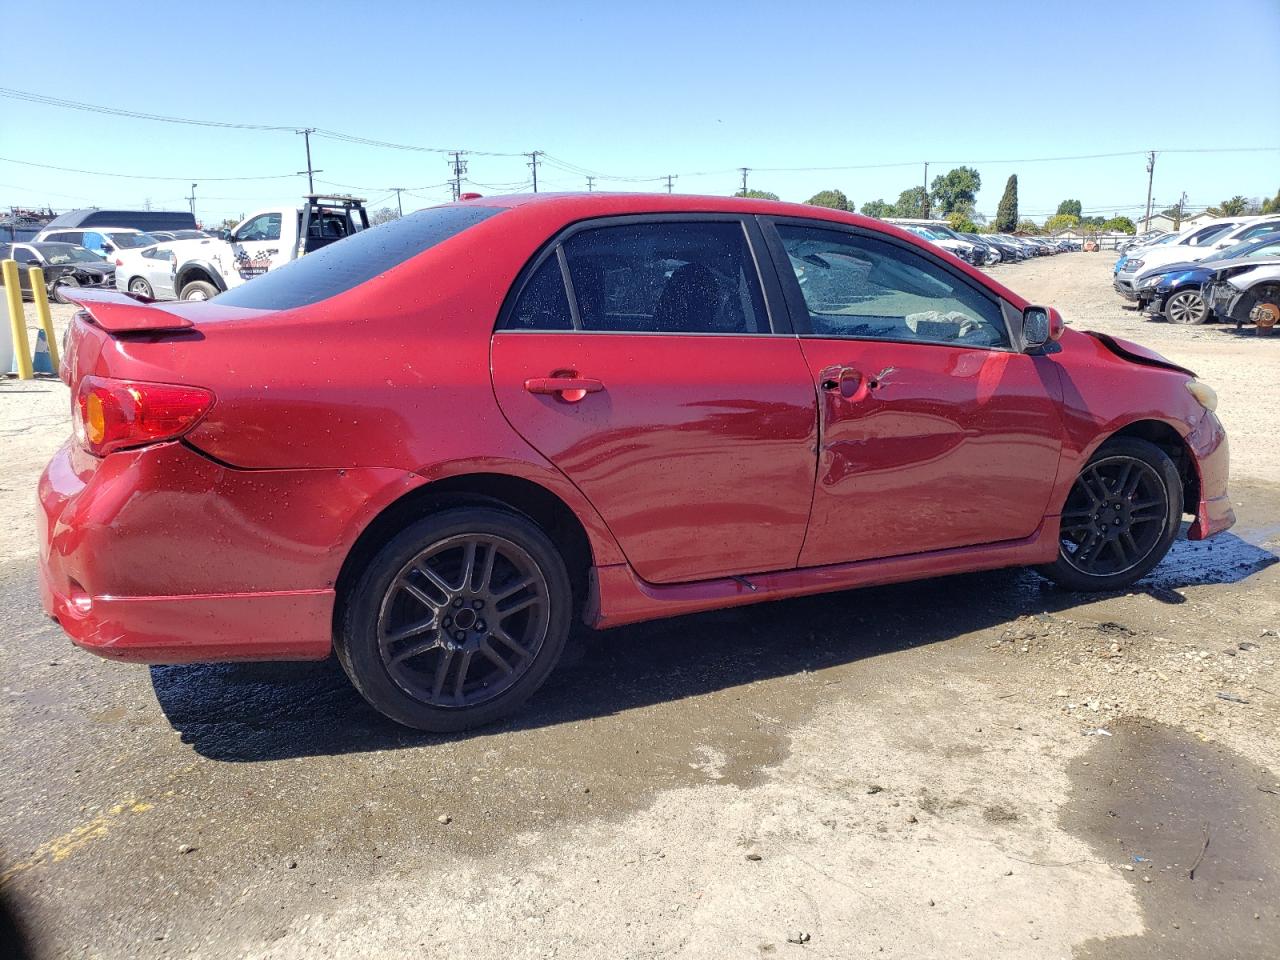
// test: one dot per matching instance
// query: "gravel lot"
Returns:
(978, 766)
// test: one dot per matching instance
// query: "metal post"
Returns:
(590, 184)
(17, 318)
(306, 136)
(192, 198)
(926, 189)
(1151, 174)
(399, 205)
(745, 171)
(670, 177)
(40, 297)
(533, 165)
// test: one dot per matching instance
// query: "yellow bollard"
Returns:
(40, 296)
(17, 318)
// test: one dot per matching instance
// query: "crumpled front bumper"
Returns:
(1213, 513)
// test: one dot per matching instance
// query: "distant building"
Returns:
(1158, 221)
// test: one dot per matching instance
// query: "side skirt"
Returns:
(619, 597)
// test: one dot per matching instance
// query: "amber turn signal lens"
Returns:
(95, 419)
(1205, 395)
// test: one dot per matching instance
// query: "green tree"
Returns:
(960, 223)
(956, 187)
(1092, 223)
(1272, 205)
(1230, 208)
(911, 203)
(756, 195)
(877, 208)
(1028, 226)
(1119, 225)
(1007, 211)
(835, 199)
(1070, 208)
(1061, 221)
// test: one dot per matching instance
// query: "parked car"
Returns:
(65, 267)
(166, 235)
(1175, 291)
(143, 221)
(433, 446)
(106, 242)
(957, 248)
(150, 272)
(1192, 245)
(1246, 293)
(1147, 237)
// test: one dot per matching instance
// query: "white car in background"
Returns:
(148, 272)
(1191, 246)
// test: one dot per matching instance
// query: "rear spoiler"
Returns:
(117, 312)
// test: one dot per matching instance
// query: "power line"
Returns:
(133, 176)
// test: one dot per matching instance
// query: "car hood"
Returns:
(1136, 352)
(94, 268)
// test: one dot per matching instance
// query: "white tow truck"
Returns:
(201, 269)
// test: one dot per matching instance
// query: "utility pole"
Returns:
(590, 184)
(1177, 220)
(672, 176)
(192, 198)
(459, 168)
(926, 189)
(306, 136)
(533, 165)
(745, 171)
(1151, 175)
(399, 205)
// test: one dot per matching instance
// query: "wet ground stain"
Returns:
(1199, 825)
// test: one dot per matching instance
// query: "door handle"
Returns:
(846, 380)
(568, 389)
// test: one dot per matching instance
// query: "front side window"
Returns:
(265, 226)
(860, 287)
(666, 277)
(1204, 235)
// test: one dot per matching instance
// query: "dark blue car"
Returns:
(1176, 290)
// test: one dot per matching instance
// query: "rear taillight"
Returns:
(119, 262)
(111, 415)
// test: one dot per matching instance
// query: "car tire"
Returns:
(140, 287)
(61, 282)
(1129, 487)
(1186, 307)
(438, 648)
(199, 290)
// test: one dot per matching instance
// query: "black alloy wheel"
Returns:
(1120, 517)
(457, 620)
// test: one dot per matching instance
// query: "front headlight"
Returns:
(1205, 395)
(1133, 266)
(1150, 282)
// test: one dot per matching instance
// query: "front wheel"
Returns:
(67, 282)
(1120, 517)
(457, 620)
(141, 288)
(1186, 306)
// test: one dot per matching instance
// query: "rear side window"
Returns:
(543, 303)
(666, 277)
(340, 266)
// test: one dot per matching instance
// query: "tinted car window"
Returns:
(861, 287)
(666, 277)
(543, 303)
(340, 266)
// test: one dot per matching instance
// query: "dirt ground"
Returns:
(977, 766)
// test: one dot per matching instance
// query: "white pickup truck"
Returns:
(200, 269)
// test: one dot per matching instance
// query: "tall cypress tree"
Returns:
(1007, 211)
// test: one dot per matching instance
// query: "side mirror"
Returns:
(1040, 325)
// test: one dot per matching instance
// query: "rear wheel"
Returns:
(457, 620)
(199, 290)
(1120, 517)
(140, 287)
(1186, 306)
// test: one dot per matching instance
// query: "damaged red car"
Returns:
(434, 446)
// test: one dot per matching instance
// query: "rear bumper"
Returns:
(163, 556)
(1208, 443)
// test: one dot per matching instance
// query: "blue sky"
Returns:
(646, 89)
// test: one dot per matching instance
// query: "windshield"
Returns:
(1268, 246)
(56, 256)
(128, 241)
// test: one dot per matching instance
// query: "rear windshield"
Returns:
(350, 262)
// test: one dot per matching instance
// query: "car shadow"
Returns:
(250, 712)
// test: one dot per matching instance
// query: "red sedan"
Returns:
(432, 446)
